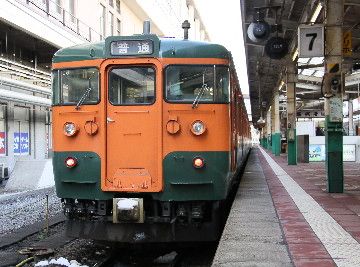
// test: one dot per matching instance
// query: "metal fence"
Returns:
(54, 11)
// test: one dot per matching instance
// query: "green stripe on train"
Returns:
(81, 182)
(183, 182)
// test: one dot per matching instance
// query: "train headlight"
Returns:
(71, 162)
(198, 162)
(198, 127)
(70, 129)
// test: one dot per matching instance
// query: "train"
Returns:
(149, 135)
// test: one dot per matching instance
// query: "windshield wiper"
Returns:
(84, 96)
(199, 95)
(201, 92)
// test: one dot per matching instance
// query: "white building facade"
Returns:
(31, 31)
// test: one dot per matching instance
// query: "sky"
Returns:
(224, 25)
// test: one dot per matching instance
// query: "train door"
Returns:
(134, 141)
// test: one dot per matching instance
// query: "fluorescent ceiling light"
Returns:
(296, 53)
(319, 73)
(316, 12)
(308, 72)
(303, 60)
(316, 60)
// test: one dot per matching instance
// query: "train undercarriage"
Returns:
(149, 221)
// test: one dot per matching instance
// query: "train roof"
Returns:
(141, 46)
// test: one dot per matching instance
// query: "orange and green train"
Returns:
(148, 136)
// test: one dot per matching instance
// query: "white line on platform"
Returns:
(342, 247)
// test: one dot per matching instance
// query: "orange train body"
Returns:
(147, 149)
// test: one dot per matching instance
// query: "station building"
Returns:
(31, 31)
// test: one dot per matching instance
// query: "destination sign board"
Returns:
(131, 47)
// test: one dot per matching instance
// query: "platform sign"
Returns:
(310, 114)
(311, 40)
(2, 143)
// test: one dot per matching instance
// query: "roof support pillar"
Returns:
(334, 102)
(275, 118)
(351, 118)
(268, 129)
(291, 74)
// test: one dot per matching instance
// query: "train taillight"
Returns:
(71, 162)
(198, 162)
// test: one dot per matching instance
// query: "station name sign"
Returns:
(131, 47)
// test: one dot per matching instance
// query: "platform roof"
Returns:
(266, 73)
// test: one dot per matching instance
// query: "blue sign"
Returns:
(21, 143)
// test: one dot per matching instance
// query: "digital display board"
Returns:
(131, 47)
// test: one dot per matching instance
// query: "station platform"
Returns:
(283, 216)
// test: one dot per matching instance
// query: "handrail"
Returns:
(68, 20)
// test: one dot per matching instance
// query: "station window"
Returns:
(21, 131)
(102, 21)
(3, 132)
(72, 10)
(132, 86)
(208, 84)
(118, 6)
(111, 3)
(118, 27)
(70, 85)
(111, 23)
(58, 6)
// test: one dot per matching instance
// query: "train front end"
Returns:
(144, 139)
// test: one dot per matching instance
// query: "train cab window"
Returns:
(132, 86)
(70, 85)
(207, 84)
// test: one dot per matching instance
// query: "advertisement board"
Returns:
(21, 143)
(2, 143)
(317, 153)
(349, 153)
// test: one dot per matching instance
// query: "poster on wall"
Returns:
(21, 143)
(2, 143)
(317, 153)
(349, 153)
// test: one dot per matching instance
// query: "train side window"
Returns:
(132, 86)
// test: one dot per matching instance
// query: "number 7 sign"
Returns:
(311, 41)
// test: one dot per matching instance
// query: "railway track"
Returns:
(158, 256)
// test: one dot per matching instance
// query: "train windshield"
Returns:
(71, 85)
(201, 84)
(132, 86)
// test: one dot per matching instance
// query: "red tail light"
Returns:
(198, 162)
(71, 162)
